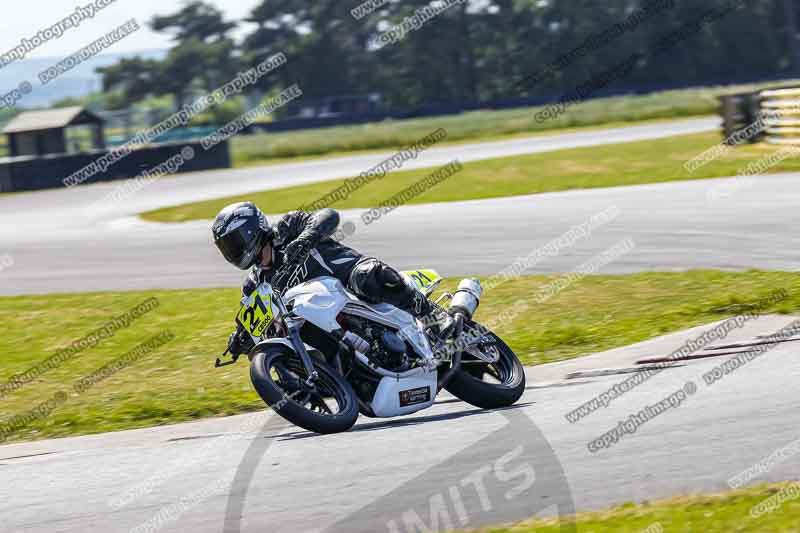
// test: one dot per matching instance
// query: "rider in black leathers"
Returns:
(247, 241)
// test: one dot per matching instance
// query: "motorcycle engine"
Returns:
(385, 346)
(393, 350)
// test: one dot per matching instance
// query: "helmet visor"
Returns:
(238, 249)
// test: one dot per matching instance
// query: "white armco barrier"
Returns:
(781, 111)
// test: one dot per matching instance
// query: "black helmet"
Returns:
(240, 232)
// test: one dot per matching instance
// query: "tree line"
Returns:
(472, 51)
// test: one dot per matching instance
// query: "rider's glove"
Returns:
(239, 342)
(300, 246)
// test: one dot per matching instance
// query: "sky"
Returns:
(25, 18)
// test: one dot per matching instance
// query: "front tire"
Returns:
(276, 372)
(489, 385)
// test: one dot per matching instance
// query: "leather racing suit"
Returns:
(369, 278)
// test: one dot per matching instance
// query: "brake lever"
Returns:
(220, 364)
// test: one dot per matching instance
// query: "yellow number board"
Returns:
(256, 315)
(425, 280)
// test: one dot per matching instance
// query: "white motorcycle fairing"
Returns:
(320, 300)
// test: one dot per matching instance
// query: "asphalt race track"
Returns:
(472, 467)
(673, 227)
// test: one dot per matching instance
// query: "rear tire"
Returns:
(468, 383)
(272, 361)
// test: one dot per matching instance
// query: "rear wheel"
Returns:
(278, 376)
(489, 385)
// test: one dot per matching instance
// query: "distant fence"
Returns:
(31, 173)
(172, 136)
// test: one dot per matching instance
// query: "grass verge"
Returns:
(177, 382)
(640, 162)
(240, 163)
(257, 149)
(719, 513)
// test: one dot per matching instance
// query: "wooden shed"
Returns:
(54, 131)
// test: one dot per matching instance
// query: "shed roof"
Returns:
(51, 119)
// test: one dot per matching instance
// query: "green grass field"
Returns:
(719, 513)
(484, 125)
(177, 382)
(598, 166)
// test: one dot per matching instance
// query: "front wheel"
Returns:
(489, 385)
(278, 376)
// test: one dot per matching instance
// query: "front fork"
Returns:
(293, 328)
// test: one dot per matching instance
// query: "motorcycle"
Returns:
(322, 356)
